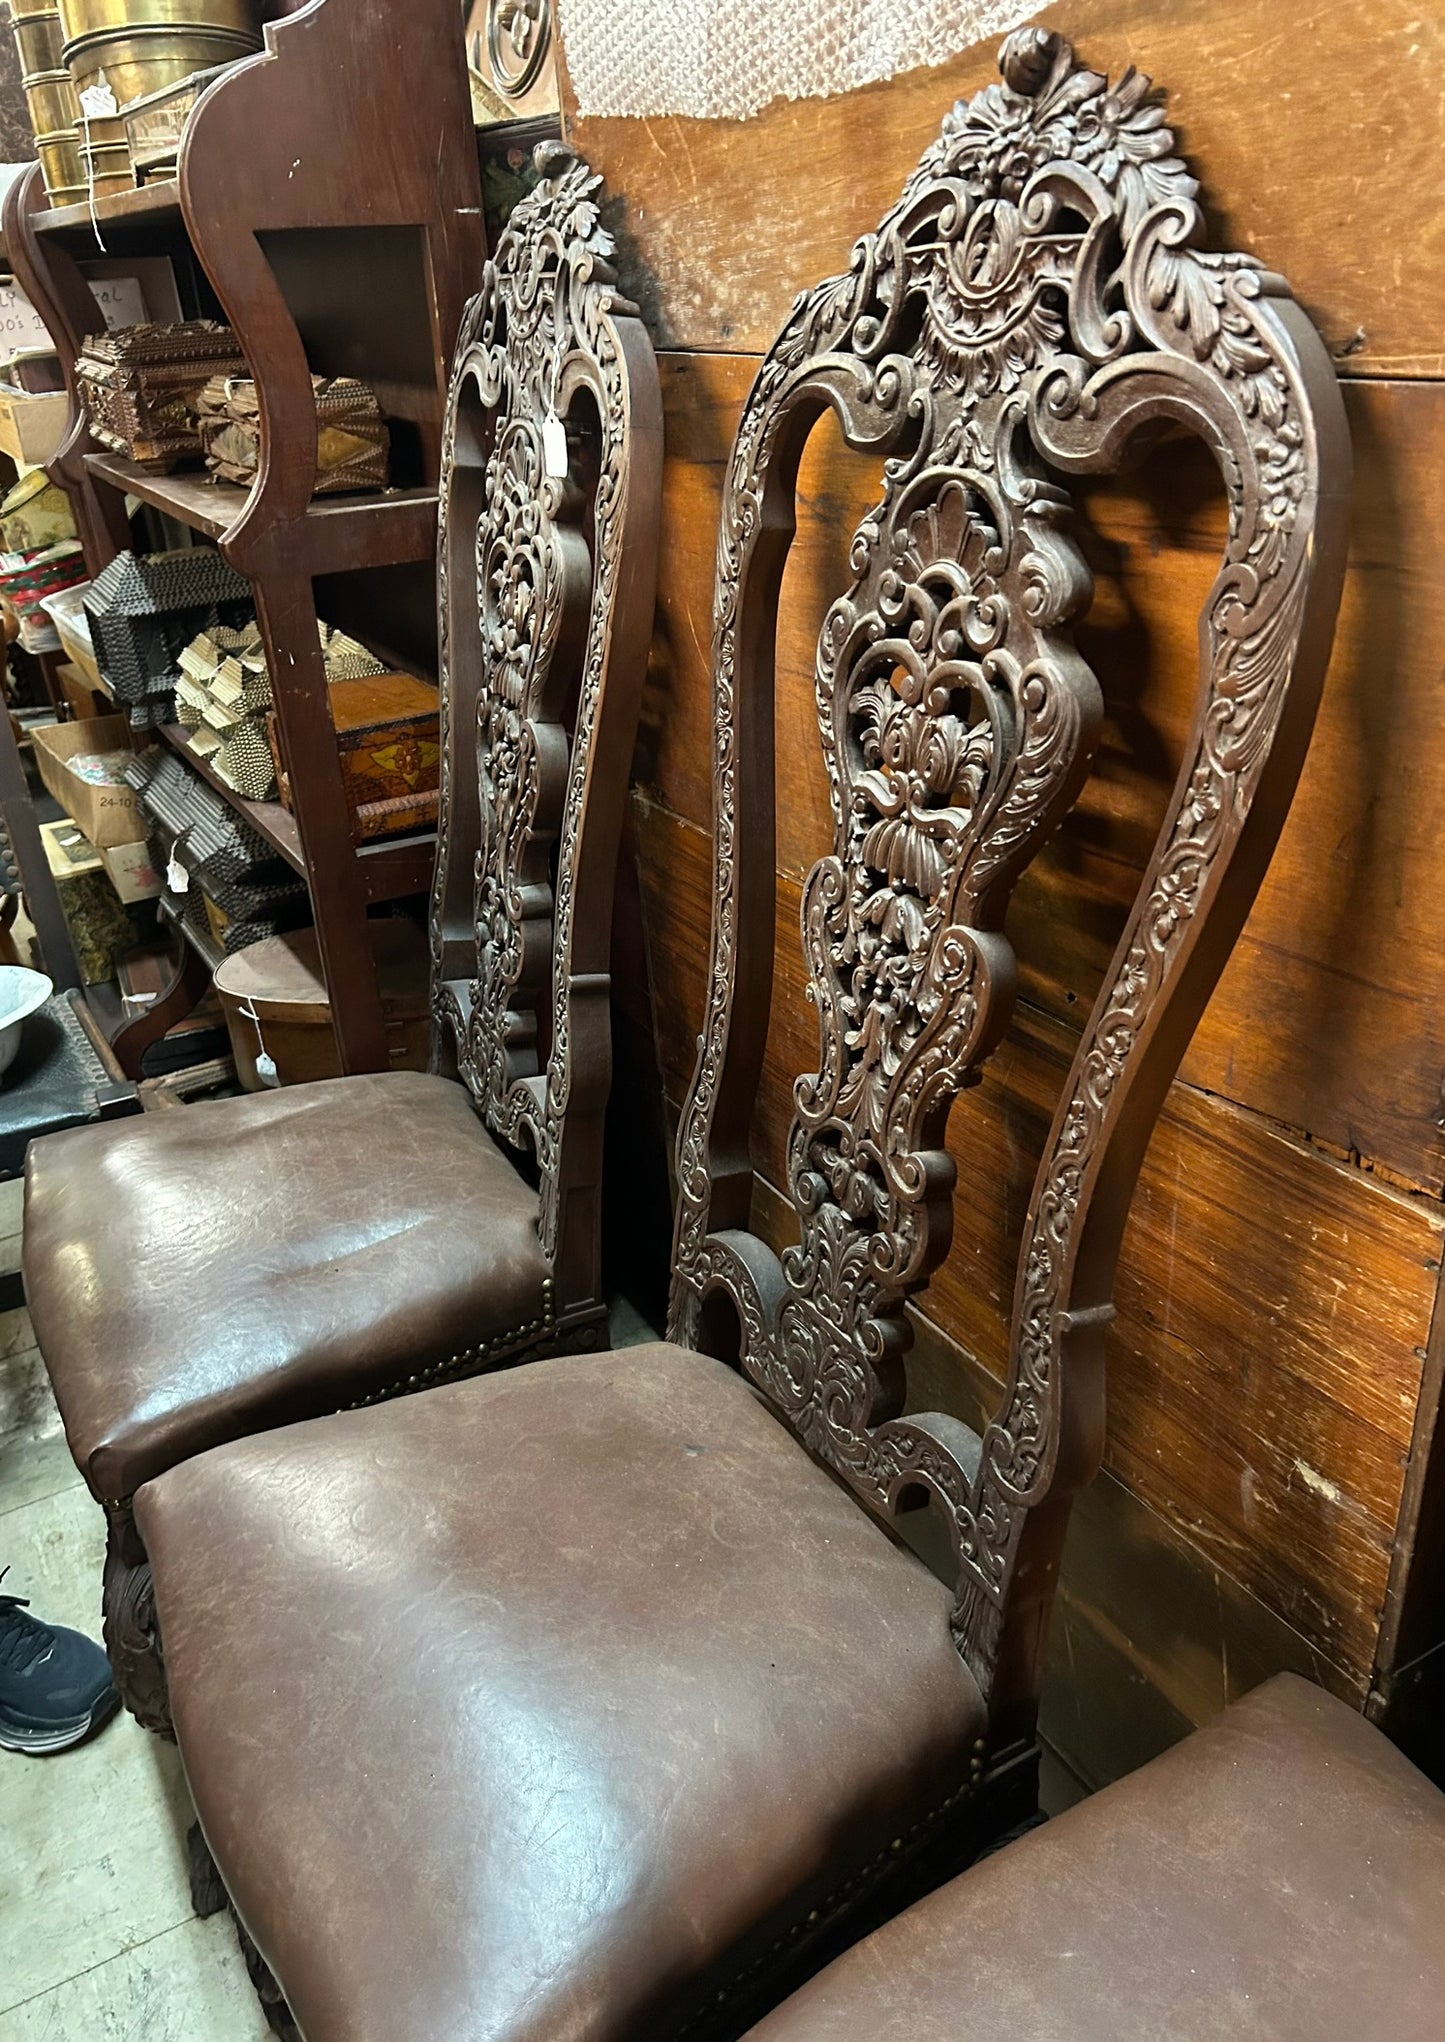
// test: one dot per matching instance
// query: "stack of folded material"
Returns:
(144, 609)
(221, 874)
(346, 658)
(27, 578)
(224, 695)
(140, 385)
(352, 442)
(222, 698)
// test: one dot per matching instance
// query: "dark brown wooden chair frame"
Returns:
(539, 724)
(1038, 305)
(553, 439)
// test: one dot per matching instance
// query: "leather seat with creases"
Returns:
(1277, 1877)
(196, 1275)
(577, 1682)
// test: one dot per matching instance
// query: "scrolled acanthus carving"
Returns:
(518, 576)
(1037, 297)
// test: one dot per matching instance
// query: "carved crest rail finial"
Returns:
(1037, 299)
(1027, 58)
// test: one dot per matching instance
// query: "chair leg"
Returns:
(131, 1636)
(273, 2004)
(208, 1892)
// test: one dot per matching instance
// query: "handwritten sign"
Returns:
(121, 301)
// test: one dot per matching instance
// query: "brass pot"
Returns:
(52, 102)
(105, 167)
(40, 43)
(22, 10)
(102, 133)
(120, 17)
(60, 166)
(147, 59)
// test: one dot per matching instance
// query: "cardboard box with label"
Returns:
(82, 764)
(133, 873)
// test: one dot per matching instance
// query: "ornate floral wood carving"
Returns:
(1036, 302)
(132, 1636)
(546, 561)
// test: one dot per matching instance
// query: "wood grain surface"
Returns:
(1328, 1019)
(1301, 123)
(1272, 1303)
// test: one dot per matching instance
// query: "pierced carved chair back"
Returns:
(547, 551)
(1036, 304)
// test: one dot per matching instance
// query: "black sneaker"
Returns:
(55, 1685)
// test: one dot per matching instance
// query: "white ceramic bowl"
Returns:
(22, 992)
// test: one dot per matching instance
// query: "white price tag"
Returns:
(266, 1069)
(99, 102)
(178, 880)
(554, 445)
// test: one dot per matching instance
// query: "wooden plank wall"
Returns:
(1272, 1368)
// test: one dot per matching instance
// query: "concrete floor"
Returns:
(97, 1939)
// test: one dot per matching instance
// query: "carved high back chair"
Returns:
(552, 467)
(616, 1709)
(201, 1275)
(1036, 307)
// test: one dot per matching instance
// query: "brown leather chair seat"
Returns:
(528, 1708)
(1277, 1877)
(197, 1275)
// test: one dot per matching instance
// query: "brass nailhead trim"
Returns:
(494, 1349)
(833, 1903)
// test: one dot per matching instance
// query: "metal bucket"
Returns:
(61, 167)
(52, 102)
(144, 60)
(40, 43)
(120, 17)
(105, 166)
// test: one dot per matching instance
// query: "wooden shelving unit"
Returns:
(328, 205)
(386, 529)
(172, 913)
(391, 869)
(147, 202)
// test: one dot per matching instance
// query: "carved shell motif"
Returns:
(1035, 295)
(542, 321)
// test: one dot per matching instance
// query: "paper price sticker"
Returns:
(554, 445)
(98, 102)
